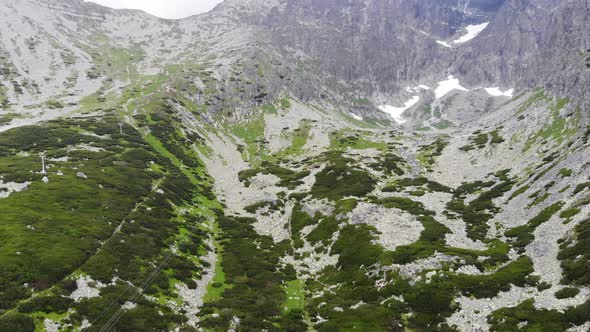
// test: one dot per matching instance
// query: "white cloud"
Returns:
(163, 8)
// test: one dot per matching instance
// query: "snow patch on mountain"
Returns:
(356, 117)
(442, 89)
(396, 112)
(496, 92)
(443, 43)
(447, 86)
(417, 89)
(471, 31)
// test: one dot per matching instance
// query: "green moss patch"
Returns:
(479, 211)
(405, 204)
(341, 140)
(575, 255)
(250, 263)
(567, 292)
(289, 178)
(420, 182)
(428, 153)
(523, 235)
(339, 179)
(533, 319)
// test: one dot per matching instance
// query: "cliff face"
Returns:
(384, 42)
(377, 46)
(533, 43)
(390, 43)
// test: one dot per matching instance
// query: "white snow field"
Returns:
(447, 86)
(471, 31)
(396, 112)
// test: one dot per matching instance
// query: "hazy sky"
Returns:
(163, 8)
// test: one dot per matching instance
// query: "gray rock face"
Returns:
(384, 42)
(532, 43)
(263, 49)
(389, 43)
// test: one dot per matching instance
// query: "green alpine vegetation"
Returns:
(295, 166)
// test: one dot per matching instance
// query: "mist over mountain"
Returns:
(295, 165)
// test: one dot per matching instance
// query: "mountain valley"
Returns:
(296, 165)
